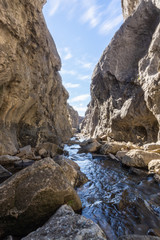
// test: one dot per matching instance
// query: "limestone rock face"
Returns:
(126, 82)
(31, 196)
(66, 225)
(33, 104)
(74, 117)
(129, 6)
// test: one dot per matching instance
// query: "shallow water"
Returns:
(120, 202)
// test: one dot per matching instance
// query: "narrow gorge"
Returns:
(65, 177)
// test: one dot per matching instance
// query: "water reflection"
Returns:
(120, 202)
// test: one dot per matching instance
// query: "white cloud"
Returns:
(54, 5)
(68, 54)
(68, 72)
(85, 77)
(110, 24)
(71, 85)
(81, 110)
(80, 98)
(84, 64)
(91, 15)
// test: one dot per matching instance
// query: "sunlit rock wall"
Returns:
(33, 106)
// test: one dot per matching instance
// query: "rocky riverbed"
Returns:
(117, 201)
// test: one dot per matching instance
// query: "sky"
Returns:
(81, 29)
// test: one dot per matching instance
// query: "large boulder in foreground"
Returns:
(33, 102)
(32, 195)
(66, 225)
(72, 171)
(139, 158)
(125, 83)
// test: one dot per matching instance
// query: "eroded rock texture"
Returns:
(126, 82)
(74, 117)
(33, 104)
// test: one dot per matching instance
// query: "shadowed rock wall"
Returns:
(33, 106)
(126, 81)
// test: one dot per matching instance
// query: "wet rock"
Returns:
(31, 196)
(23, 163)
(154, 232)
(154, 166)
(91, 145)
(71, 171)
(139, 158)
(121, 154)
(66, 225)
(4, 174)
(157, 178)
(33, 102)
(138, 237)
(7, 159)
(138, 172)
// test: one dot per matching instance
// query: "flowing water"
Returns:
(119, 201)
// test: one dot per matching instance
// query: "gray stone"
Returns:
(71, 171)
(49, 149)
(66, 225)
(4, 174)
(32, 195)
(7, 159)
(23, 163)
(90, 145)
(139, 158)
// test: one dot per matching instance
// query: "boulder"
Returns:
(7, 159)
(121, 154)
(139, 158)
(113, 147)
(91, 145)
(66, 225)
(72, 171)
(23, 163)
(26, 152)
(49, 149)
(4, 174)
(32, 195)
(154, 166)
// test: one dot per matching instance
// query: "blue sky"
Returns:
(81, 29)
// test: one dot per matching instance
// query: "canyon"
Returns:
(112, 177)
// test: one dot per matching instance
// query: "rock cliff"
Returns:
(33, 106)
(74, 117)
(126, 81)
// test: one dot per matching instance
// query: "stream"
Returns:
(120, 201)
